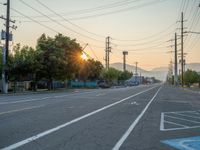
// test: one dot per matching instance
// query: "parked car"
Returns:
(103, 85)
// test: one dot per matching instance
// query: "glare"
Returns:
(84, 56)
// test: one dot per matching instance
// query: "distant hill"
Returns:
(131, 68)
(193, 66)
(159, 72)
(160, 69)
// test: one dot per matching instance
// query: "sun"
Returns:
(84, 56)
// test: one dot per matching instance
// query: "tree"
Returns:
(191, 77)
(125, 75)
(58, 57)
(111, 75)
(1, 60)
(22, 63)
(90, 69)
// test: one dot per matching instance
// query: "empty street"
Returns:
(139, 118)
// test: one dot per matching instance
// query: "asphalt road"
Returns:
(133, 118)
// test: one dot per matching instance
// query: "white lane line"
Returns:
(44, 98)
(130, 129)
(22, 101)
(35, 137)
(162, 122)
(182, 119)
(17, 110)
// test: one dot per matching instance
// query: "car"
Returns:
(103, 85)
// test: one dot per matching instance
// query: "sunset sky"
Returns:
(141, 27)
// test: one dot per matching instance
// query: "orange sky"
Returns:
(147, 25)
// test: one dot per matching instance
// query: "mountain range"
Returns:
(159, 72)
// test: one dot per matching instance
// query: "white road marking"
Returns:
(188, 116)
(187, 147)
(177, 124)
(183, 128)
(35, 137)
(43, 98)
(172, 101)
(135, 103)
(162, 122)
(17, 110)
(192, 115)
(195, 112)
(130, 129)
(101, 94)
(182, 119)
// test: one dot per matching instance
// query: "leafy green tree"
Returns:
(199, 80)
(1, 60)
(191, 77)
(59, 58)
(90, 69)
(111, 75)
(22, 63)
(125, 75)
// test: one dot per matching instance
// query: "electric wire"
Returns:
(34, 20)
(67, 19)
(112, 12)
(45, 26)
(58, 22)
(93, 52)
(148, 37)
(101, 7)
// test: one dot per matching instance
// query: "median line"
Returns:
(18, 110)
(44, 98)
(42, 134)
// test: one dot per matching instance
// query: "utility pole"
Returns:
(7, 31)
(140, 78)
(107, 52)
(106, 64)
(136, 63)
(175, 62)
(7, 38)
(182, 78)
(124, 59)
(6, 50)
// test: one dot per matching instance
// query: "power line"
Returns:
(118, 11)
(35, 20)
(67, 20)
(194, 22)
(93, 52)
(141, 39)
(144, 49)
(144, 43)
(114, 12)
(40, 23)
(58, 22)
(102, 7)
